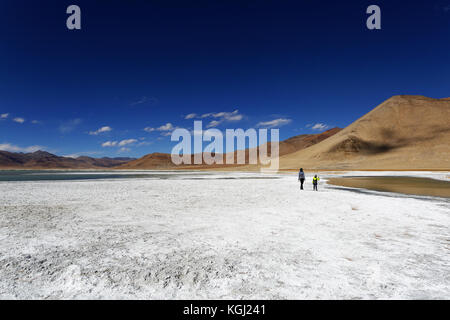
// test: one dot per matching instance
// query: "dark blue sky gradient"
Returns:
(308, 61)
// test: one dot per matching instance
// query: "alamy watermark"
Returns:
(253, 142)
(374, 20)
(73, 22)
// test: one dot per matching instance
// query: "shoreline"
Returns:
(419, 186)
(225, 170)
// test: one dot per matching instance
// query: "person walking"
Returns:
(315, 182)
(301, 178)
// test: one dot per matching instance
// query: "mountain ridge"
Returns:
(403, 132)
(44, 160)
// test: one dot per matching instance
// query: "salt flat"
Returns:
(223, 235)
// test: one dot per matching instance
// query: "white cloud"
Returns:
(320, 127)
(237, 117)
(126, 142)
(109, 144)
(13, 148)
(140, 101)
(144, 143)
(222, 117)
(167, 127)
(4, 115)
(118, 143)
(83, 153)
(69, 126)
(36, 122)
(274, 123)
(225, 115)
(143, 100)
(122, 150)
(102, 129)
(190, 116)
(213, 124)
(73, 156)
(19, 120)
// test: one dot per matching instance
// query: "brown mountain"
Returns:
(150, 161)
(163, 160)
(402, 133)
(104, 162)
(46, 160)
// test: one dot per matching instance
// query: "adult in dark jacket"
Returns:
(301, 178)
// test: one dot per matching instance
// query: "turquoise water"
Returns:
(31, 175)
(48, 175)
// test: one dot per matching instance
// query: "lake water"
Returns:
(406, 185)
(51, 175)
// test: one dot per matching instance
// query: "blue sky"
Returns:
(138, 69)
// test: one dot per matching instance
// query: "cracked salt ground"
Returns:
(227, 238)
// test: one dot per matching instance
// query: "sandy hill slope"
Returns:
(163, 160)
(404, 132)
(303, 141)
(46, 160)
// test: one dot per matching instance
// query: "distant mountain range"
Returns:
(155, 161)
(46, 160)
